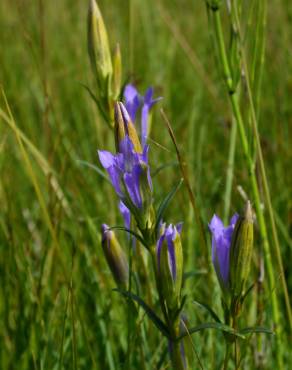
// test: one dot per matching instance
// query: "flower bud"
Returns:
(98, 48)
(124, 126)
(115, 256)
(117, 73)
(170, 265)
(241, 252)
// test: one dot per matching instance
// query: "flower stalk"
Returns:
(233, 95)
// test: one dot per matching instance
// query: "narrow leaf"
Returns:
(150, 313)
(137, 236)
(212, 325)
(256, 329)
(95, 168)
(166, 202)
(209, 309)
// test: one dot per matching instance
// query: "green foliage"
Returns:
(57, 307)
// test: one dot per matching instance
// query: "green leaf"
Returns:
(97, 102)
(150, 313)
(256, 329)
(166, 202)
(95, 168)
(209, 309)
(247, 292)
(194, 273)
(183, 301)
(137, 236)
(163, 166)
(212, 325)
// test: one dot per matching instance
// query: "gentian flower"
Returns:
(134, 102)
(170, 263)
(129, 173)
(221, 244)
(126, 214)
(115, 256)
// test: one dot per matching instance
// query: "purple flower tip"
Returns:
(221, 242)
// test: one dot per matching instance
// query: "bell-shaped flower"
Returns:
(134, 102)
(130, 176)
(170, 264)
(221, 244)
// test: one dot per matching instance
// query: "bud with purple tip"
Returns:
(170, 264)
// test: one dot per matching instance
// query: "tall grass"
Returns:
(57, 307)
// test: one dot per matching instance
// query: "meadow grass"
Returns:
(57, 306)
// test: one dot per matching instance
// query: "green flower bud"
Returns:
(117, 73)
(170, 265)
(98, 48)
(241, 252)
(115, 256)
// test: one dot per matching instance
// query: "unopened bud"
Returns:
(115, 256)
(241, 252)
(124, 126)
(170, 265)
(98, 47)
(117, 73)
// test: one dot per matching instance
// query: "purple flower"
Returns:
(134, 101)
(221, 243)
(125, 212)
(130, 176)
(170, 264)
(169, 234)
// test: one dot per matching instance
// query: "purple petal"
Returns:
(179, 227)
(115, 176)
(106, 158)
(126, 214)
(221, 243)
(216, 224)
(132, 100)
(144, 123)
(234, 219)
(170, 235)
(132, 184)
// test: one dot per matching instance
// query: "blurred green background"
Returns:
(57, 308)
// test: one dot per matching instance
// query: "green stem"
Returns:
(262, 225)
(227, 355)
(173, 325)
(266, 188)
(176, 356)
(230, 170)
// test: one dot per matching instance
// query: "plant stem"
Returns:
(262, 225)
(230, 170)
(227, 355)
(176, 356)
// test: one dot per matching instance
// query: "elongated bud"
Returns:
(117, 73)
(115, 256)
(170, 265)
(241, 252)
(98, 47)
(124, 126)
